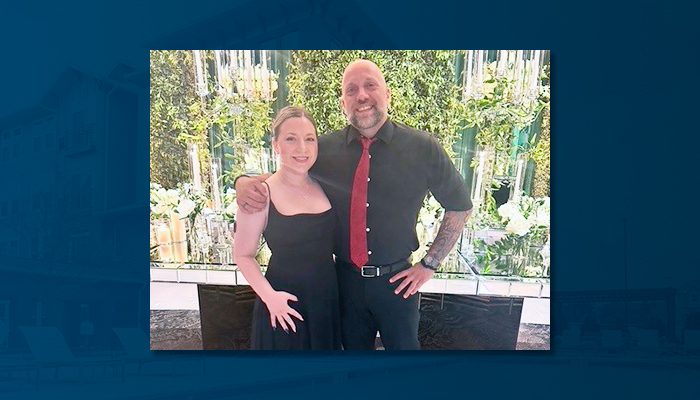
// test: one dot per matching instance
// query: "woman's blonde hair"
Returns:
(287, 113)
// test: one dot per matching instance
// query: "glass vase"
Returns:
(178, 229)
(164, 240)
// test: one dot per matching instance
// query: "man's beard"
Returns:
(368, 122)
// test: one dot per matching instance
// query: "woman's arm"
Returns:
(249, 229)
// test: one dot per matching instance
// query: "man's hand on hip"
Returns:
(413, 278)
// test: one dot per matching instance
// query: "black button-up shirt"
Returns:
(405, 164)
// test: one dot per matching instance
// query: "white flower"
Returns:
(518, 224)
(426, 216)
(156, 195)
(231, 208)
(545, 202)
(540, 217)
(159, 208)
(167, 197)
(508, 210)
(433, 203)
(165, 200)
(185, 207)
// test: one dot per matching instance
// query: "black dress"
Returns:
(301, 264)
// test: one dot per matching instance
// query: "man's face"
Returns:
(365, 98)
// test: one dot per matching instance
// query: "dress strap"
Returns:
(270, 204)
(269, 193)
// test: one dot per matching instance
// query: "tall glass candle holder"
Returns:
(164, 239)
(178, 228)
(520, 168)
(195, 168)
(215, 183)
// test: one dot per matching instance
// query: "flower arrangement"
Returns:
(525, 214)
(186, 221)
(183, 202)
(522, 248)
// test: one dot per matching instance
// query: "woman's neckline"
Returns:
(298, 214)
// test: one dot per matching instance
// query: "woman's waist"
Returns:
(300, 262)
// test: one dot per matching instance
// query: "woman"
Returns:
(297, 299)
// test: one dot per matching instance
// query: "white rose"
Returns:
(168, 197)
(158, 195)
(159, 208)
(506, 211)
(518, 225)
(540, 217)
(185, 207)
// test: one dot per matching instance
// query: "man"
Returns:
(376, 174)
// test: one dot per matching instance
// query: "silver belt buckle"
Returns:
(369, 268)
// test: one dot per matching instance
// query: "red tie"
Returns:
(358, 207)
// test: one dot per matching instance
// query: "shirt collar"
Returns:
(385, 133)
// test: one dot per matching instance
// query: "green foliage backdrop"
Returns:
(176, 117)
(425, 95)
(541, 157)
(179, 116)
(422, 83)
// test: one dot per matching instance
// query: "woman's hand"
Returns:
(280, 311)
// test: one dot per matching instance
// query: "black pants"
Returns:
(368, 305)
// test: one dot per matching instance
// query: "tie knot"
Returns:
(366, 142)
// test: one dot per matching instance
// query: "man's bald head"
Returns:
(365, 97)
(365, 65)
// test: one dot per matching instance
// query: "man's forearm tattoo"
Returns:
(450, 229)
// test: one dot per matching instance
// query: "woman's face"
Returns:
(296, 144)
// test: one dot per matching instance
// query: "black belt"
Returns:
(373, 271)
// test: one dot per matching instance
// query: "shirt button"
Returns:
(369, 252)
(367, 229)
(369, 179)
(370, 156)
(367, 204)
